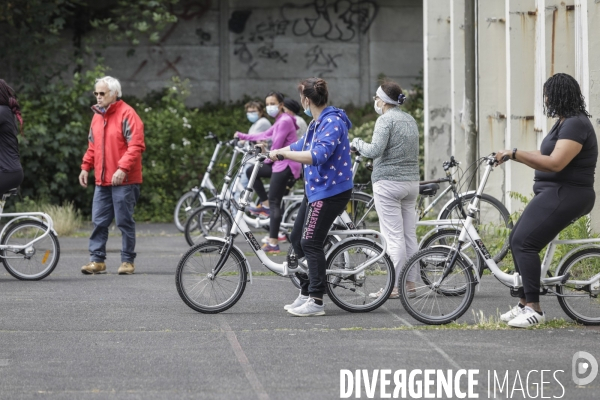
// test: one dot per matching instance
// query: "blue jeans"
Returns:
(115, 202)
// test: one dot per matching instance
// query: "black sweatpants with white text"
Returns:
(308, 238)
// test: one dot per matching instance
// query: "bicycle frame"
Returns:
(206, 181)
(468, 233)
(282, 269)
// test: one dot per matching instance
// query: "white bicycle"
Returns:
(444, 277)
(211, 276)
(29, 246)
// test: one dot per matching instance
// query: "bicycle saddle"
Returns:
(428, 189)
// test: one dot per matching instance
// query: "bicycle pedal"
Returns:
(565, 278)
(514, 292)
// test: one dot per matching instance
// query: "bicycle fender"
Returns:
(568, 255)
(234, 248)
(452, 200)
(24, 217)
(338, 244)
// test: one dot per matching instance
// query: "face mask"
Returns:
(307, 111)
(252, 116)
(378, 110)
(273, 111)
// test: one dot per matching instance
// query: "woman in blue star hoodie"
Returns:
(324, 151)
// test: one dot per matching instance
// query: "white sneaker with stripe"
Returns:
(512, 313)
(528, 317)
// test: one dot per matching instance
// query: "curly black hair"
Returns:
(563, 97)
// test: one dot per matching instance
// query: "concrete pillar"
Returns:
(436, 75)
(491, 56)
(457, 82)
(520, 66)
(593, 17)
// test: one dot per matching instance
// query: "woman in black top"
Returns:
(563, 187)
(11, 173)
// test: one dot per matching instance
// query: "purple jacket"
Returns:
(282, 133)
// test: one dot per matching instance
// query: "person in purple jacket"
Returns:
(325, 152)
(282, 173)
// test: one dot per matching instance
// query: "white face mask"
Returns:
(378, 110)
(273, 111)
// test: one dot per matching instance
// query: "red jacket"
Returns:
(115, 141)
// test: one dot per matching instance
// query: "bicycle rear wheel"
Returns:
(361, 209)
(200, 288)
(492, 221)
(579, 300)
(329, 241)
(36, 261)
(449, 237)
(208, 220)
(433, 302)
(351, 292)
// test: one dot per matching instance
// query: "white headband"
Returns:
(386, 99)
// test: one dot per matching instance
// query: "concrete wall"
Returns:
(232, 48)
(508, 70)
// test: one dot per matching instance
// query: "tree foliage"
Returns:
(34, 34)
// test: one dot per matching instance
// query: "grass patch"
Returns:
(482, 322)
(66, 218)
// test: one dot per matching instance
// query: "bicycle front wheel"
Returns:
(356, 293)
(207, 221)
(38, 259)
(204, 290)
(492, 221)
(186, 205)
(581, 300)
(426, 296)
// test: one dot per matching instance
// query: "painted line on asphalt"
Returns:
(424, 338)
(243, 360)
(431, 344)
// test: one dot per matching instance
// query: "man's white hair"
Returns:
(113, 84)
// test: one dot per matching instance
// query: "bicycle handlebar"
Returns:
(355, 150)
(212, 136)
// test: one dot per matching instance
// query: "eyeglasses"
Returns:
(99, 93)
(375, 98)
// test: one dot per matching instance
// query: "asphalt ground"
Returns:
(75, 336)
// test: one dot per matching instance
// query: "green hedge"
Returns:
(56, 127)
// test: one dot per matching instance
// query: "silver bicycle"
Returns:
(29, 246)
(439, 282)
(197, 196)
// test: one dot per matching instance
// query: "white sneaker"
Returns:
(528, 317)
(297, 303)
(308, 309)
(512, 313)
(281, 237)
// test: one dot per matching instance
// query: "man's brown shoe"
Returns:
(94, 268)
(126, 268)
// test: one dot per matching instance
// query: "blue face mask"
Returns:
(252, 116)
(307, 111)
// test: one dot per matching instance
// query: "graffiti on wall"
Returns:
(189, 10)
(340, 20)
(328, 20)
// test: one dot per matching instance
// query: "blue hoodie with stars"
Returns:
(331, 169)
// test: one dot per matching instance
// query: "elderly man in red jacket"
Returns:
(116, 144)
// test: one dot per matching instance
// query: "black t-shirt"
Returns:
(580, 171)
(9, 146)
